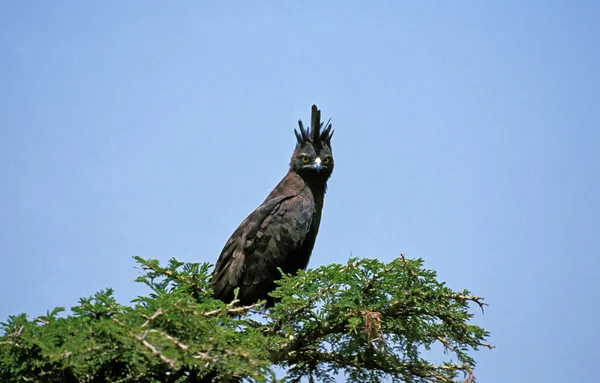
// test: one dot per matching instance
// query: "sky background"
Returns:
(466, 134)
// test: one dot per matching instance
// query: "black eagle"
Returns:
(282, 231)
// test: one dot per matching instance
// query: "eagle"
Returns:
(282, 231)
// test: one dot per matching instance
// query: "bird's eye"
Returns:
(305, 159)
(327, 160)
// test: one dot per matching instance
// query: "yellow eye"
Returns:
(326, 160)
(305, 159)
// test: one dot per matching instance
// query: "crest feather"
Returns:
(313, 134)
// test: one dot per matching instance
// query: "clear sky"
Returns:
(467, 134)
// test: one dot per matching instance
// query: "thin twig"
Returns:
(158, 313)
(42, 321)
(230, 309)
(170, 362)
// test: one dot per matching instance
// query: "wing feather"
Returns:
(261, 243)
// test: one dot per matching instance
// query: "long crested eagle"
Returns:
(281, 232)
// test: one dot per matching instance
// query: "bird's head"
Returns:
(312, 157)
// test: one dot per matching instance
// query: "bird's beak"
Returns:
(318, 165)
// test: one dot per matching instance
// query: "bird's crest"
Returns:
(314, 134)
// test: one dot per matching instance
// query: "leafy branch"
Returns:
(365, 319)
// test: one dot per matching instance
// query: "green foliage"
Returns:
(367, 320)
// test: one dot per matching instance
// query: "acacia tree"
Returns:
(366, 321)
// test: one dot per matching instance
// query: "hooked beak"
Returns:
(318, 165)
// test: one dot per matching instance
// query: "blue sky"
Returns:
(466, 134)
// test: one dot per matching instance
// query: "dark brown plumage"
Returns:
(282, 231)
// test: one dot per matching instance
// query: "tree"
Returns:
(367, 320)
